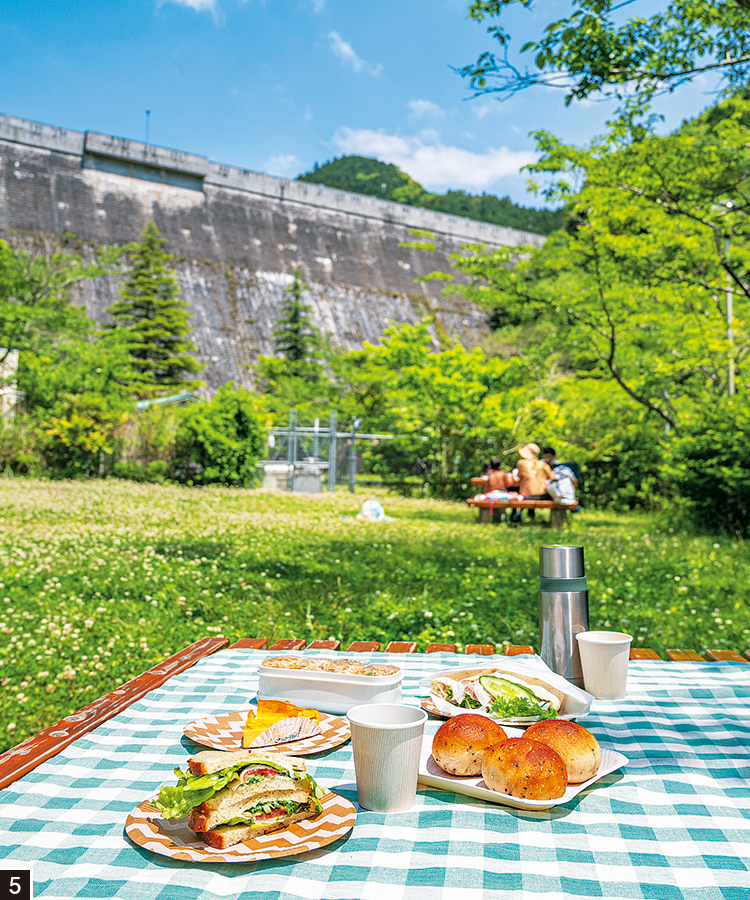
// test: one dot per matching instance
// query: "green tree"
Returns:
(295, 337)
(636, 286)
(363, 175)
(452, 408)
(36, 277)
(710, 469)
(591, 50)
(220, 441)
(155, 319)
(72, 375)
(296, 378)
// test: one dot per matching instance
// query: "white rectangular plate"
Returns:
(432, 775)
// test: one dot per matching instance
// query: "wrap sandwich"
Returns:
(509, 697)
(233, 796)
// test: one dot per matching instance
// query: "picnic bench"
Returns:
(487, 508)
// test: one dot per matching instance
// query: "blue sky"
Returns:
(277, 85)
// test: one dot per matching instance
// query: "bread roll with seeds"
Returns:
(525, 769)
(459, 744)
(576, 745)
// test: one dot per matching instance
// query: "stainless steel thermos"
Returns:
(563, 608)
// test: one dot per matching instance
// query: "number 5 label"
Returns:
(15, 881)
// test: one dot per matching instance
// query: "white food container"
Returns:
(331, 692)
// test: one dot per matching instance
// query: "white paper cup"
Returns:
(604, 660)
(387, 741)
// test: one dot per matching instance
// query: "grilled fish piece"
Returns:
(293, 729)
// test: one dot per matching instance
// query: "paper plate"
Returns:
(224, 732)
(146, 827)
(432, 775)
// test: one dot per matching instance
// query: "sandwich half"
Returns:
(233, 796)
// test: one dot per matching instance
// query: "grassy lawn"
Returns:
(100, 580)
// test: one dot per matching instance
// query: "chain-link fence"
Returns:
(317, 457)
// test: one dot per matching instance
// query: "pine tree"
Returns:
(295, 337)
(156, 319)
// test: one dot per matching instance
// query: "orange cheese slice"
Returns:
(269, 712)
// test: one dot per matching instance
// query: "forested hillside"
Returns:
(364, 175)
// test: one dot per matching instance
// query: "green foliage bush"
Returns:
(129, 470)
(220, 442)
(710, 466)
(19, 441)
(150, 435)
(82, 440)
(620, 448)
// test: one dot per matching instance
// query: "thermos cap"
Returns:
(561, 561)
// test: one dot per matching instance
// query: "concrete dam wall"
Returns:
(237, 237)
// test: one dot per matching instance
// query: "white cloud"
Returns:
(433, 164)
(285, 165)
(345, 52)
(480, 111)
(318, 5)
(424, 109)
(197, 5)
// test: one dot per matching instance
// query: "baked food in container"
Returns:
(576, 745)
(330, 685)
(321, 664)
(459, 744)
(523, 768)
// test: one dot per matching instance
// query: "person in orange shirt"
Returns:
(532, 475)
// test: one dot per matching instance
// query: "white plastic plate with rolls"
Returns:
(432, 775)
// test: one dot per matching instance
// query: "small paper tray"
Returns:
(432, 775)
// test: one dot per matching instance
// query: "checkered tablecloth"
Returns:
(675, 823)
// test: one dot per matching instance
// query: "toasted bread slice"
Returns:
(225, 836)
(230, 803)
(209, 761)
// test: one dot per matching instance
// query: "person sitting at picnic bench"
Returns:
(533, 473)
(563, 485)
(497, 479)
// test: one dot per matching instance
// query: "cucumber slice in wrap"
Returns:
(501, 689)
(515, 700)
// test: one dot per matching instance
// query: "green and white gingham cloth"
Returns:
(675, 823)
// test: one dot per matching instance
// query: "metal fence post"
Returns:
(353, 455)
(292, 443)
(332, 452)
